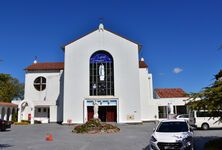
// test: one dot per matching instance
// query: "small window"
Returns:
(39, 110)
(40, 83)
(44, 110)
(203, 114)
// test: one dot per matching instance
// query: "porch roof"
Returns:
(170, 92)
(8, 104)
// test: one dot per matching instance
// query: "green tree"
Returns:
(210, 98)
(10, 88)
(219, 75)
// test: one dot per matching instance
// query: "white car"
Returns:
(183, 116)
(172, 134)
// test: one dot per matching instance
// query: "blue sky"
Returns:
(180, 38)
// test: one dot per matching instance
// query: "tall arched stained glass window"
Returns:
(101, 74)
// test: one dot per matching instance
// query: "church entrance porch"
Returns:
(106, 110)
(42, 114)
(106, 113)
(90, 112)
(29, 111)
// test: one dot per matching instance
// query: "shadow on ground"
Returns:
(146, 148)
(200, 141)
(5, 145)
(5, 130)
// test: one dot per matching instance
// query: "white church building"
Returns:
(100, 69)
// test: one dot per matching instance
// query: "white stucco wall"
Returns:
(126, 74)
(53, 113)
(174, 101)
(149, 111)
(47, 97)
(32, 94)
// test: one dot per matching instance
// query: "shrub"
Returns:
(37, 122)
(27, 121)
(93, 123)
(110, 128)
(21, 123)
(80, 129)
(95, 126)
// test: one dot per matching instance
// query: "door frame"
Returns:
(101, 102)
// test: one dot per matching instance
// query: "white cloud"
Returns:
(177, 70)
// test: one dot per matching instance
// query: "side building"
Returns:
(166, 97)
(43, 98)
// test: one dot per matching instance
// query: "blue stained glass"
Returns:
(100, 58)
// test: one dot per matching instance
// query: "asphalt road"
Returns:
(130, 137)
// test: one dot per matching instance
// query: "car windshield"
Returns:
(172, 127)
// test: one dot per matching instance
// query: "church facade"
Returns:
(101, 76)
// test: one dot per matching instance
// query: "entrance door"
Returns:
(107, 113)
(111, 113)
(102, 113)
(90, 112)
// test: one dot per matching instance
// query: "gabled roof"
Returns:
(7, 104)
(170, 92)
(46, 66)
(63, 47)
(139, 45)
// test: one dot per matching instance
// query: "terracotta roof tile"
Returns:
(142, 64)
(46, 66)
(60, 66)
(170, 92)
(7, 104)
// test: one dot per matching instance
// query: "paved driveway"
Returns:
(202, 136)
(131, 137)
(32, 137)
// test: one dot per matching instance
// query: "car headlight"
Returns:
(188, 141)
(153, 139)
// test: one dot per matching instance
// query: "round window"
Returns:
(40, 83)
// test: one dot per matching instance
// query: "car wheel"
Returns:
(205, 126)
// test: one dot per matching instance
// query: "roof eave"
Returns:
(44, 69)
(63, 47)
(139, 45)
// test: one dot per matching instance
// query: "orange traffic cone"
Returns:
(49, 137)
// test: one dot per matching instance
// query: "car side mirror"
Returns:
(154, 129)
